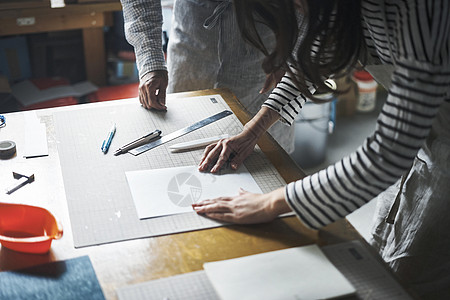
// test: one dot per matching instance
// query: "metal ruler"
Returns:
(180, 132)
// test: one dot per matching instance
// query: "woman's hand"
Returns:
(236, 148)
(246, 208)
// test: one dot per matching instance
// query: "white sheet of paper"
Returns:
(35, 136)
(294, 273)
(170, 191)
(83, 88)
(27, 93)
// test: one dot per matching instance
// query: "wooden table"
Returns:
(123, 263)
(27, 17)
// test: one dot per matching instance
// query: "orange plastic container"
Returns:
(26, 228)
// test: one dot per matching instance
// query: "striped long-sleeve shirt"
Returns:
(414, 35)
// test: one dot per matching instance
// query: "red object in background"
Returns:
(362, 75)
(115, 92)
(45, 83)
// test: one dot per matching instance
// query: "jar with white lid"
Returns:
(367, 91)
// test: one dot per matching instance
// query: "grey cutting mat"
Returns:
(101, 208)
(189, 286)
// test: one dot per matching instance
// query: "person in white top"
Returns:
(405, 163)
(205, 51)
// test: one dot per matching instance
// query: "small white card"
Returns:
(35, 136)
(170, 191)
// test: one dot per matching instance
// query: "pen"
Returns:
(107, 141)
(140, 141)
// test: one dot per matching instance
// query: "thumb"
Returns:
(162, 96)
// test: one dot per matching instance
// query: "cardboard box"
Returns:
(124, 69)
(121, 71)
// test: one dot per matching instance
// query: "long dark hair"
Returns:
(331, 45)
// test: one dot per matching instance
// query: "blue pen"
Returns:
(107, 142)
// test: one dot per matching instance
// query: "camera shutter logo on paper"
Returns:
(184, 189)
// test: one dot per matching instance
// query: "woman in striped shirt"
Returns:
(405, 163)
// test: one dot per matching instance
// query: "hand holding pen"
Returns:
(140, 141)
(107, 141)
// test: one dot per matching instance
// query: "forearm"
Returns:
(261, 122)
(143, 30)
(277, 204)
